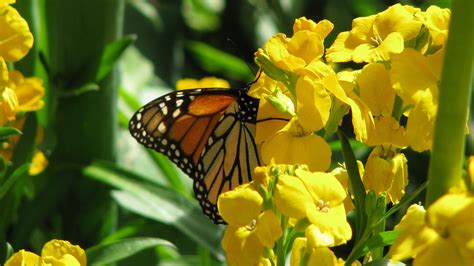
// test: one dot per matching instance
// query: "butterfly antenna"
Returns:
(260, 70)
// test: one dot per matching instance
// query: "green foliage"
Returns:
(116, 251)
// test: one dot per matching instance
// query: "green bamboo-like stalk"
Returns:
(454, 95)
(83, 123)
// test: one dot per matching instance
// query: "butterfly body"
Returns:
(208, 133)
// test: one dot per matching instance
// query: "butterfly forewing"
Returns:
(207, 133)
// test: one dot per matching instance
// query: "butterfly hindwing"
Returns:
(207, 133)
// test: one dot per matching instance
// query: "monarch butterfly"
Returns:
(207, 133)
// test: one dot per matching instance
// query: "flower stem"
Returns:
(454, 94)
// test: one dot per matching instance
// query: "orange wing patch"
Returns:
(209, 104)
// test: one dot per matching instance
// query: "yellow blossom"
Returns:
(250, 231)
(386, 170)
(319, 197)
(375, 37)
(292, 54)
(415, 79)
(376, 90)
(207, 82)
(15, 36)
(20, 94)
(436, 19)
(23, 258)
(313, 104)
(271, 120)
(303, 254)
(54, 253)
(293, 145)
(28, 90)
(38, 163)
(442, 235)
(9, 103)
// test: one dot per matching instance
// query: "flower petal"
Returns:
(59, 248)
(243, 197)
(15, 34)
(23, 258)
(268, 228)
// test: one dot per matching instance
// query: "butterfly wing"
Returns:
(207, 133)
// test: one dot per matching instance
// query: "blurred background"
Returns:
(100, 60)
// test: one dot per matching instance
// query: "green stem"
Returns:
(445, 168)
(281, 247)
(377, 253)
(83, 126)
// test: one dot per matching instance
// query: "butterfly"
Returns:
(208, 133)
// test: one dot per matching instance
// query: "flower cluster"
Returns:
(55, 252)
(392, 98)
(304, 94)
(19, 94)
(284, 204)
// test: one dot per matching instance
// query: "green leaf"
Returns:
(202, 15)
(158, 203)
(216, 61)
(382, 239)
(116, 251)
(384, 262)
(403, 202)
(25, 147)
(6, 132)
(18, 174)
(148, 11)
(355, 182)
(6, 251)
(111, 54)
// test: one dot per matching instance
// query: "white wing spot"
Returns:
(162, 127)
(179, 102)
(164, 142)
(139, 125)
(164, 110)
(176, 113)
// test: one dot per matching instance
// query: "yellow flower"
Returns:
(375, 37)
(28, 90)
(415, 79)
(376, 90)
(9, 103)
(271, 120)
(20, 94)
(38, 163)
(282, 56)
(437, 21)
(23, 258)
(442, 235)
(15, 36)
(386, 170)
(323, 28)
(54, 253)
(248, 232)
(377, 94)
(207, 82)
(303, 254)
(294, 145)
(319, 197)
(313, 104)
